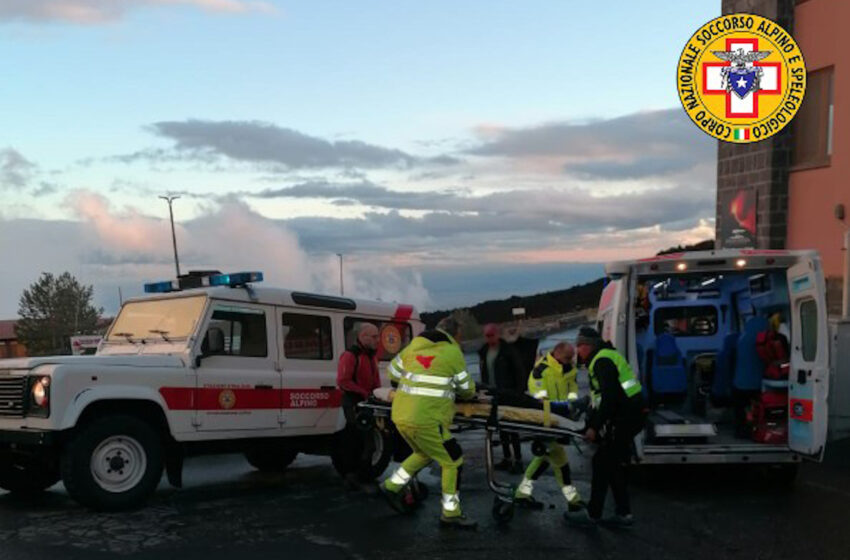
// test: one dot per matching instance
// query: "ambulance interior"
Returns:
(713, 352)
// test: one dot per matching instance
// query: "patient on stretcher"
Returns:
(522, 408)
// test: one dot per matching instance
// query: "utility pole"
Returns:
(341, 285)
(169, 200)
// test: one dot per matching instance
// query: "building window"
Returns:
(813, 124)
(307, 337)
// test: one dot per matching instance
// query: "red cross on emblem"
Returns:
(748, 106)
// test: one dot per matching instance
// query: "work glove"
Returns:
(578, 407)
(581, 404)
(561, 408)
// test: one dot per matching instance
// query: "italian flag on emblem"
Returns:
(742, 134)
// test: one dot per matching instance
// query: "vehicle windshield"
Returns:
(160, 319)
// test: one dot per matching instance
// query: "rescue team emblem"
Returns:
(425, 361)
(227, 399)
(391, 339)
(741, 78)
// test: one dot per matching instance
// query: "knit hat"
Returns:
(589, 336)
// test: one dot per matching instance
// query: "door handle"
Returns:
(801, 376)
(328, 387)
(263, 387)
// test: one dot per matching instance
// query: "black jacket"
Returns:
(509, 374)
(616, 408)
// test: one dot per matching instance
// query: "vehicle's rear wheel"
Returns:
(271, 459)
(113, 463)
(26, 476)
(347, 458)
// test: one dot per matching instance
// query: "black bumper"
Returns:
(27, 437)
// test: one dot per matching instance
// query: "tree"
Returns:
(52, 310)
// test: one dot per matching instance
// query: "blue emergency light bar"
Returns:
(233, 280)
(161, 287)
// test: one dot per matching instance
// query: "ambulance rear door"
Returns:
(809, 373)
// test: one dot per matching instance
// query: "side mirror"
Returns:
(213, 344)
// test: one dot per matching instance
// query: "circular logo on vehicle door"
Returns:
(227, 399)
(391, 339)
(741, 78)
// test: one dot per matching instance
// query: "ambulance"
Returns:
(732, 350)
(209, 363)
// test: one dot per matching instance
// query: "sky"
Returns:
(451, 151)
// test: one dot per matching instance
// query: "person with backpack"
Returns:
(357, 376)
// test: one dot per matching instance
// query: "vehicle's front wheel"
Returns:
(113, 463)
(26, 476)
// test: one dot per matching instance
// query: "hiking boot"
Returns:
(396, 500)
(576, 507)
(580, 518)
(458, 522)
(619, 521)
(516, 467)
(528, 502)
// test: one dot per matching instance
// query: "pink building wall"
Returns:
(822, 29)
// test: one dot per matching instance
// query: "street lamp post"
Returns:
(341, 285)
(169, 200)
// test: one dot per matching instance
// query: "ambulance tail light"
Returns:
(235, 279)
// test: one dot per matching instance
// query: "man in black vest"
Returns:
(501, 367)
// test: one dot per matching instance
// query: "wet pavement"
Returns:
(227, 510)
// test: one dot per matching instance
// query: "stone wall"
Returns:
(764, 165)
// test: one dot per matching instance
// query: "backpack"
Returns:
(772, 348)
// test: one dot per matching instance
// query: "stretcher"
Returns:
(484, 412)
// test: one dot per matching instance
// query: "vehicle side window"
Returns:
(393, 336)
(809, 329)
(240, 332)
(307, 337)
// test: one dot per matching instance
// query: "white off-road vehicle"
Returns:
(205, 364)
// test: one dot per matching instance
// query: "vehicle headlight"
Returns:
(41, 392)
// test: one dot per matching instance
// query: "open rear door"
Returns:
(809, 375)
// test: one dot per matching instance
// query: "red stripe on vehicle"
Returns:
(312, 398)
(216, 398)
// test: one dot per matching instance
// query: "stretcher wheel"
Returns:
(420, 491)
(503, 510)
(538, 448)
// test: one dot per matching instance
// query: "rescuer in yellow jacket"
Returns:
(554, 379)
(429, 373)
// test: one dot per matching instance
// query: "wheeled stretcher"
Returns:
(487, 414)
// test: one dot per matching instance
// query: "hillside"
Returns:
(576, 298)
(579, 297)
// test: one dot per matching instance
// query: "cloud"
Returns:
(269, 144)
(124, 245)
(89, 12)
(552, 209)
(635, 146)
(16, 171)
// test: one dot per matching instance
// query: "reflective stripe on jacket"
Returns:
(628, 381)
(549, 381)
(429, 373)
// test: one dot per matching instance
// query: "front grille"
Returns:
(12, 392)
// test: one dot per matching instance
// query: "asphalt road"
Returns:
(227, 510)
